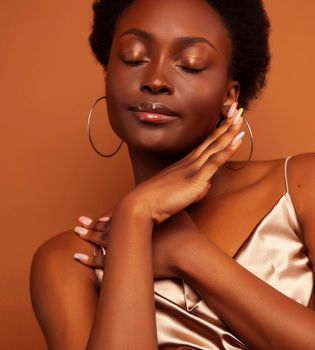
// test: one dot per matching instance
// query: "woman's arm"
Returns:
(64, 293)
(65, 298)
(125, 317)
(257, 313)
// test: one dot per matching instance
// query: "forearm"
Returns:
(125, 317)
(259, 315)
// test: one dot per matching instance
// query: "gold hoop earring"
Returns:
(251, 148)
(89, 131)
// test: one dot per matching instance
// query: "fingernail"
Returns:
(237, 139)
(81, 230)
(238, 116)
(79, 256)
(232, 109)
(104, 218)
(85, 220)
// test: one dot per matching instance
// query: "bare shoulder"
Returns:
(301, 178)
(56, 255)
(301, 183)
(262, 175)
(62, 245)
(300, 173)
(301, 169)
(63, 291)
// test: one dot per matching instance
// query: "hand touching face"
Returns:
(167, 194)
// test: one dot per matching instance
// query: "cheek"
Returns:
(203, 99)
(121, 86)
(117, 89)
(112, 113)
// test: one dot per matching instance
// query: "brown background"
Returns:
(50, 175)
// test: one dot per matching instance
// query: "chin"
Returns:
(152, 137)
(166, 149)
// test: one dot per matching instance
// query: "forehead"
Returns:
(168, 19)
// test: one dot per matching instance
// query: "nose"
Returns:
(155, 81)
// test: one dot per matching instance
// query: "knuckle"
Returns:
(97, 260)
(217, 159)
(93, 260)
(215, 144)
(215, 163)
(190, 169)
(213, 159)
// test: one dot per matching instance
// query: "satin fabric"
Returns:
(274, 252)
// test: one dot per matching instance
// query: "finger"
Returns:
(99, 250)
(218, 159)
(97, 224)
(220, 144)
(95, 261)
(102, 224)
(230, 122)
(85, 221)
(98, 237)
(230, 126)
(210, 139)
(190, 158)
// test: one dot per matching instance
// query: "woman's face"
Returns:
(175, 53)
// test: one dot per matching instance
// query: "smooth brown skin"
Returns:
(174, 166)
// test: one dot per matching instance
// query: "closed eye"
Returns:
(191, 70)
(134, 63)
(185, 69)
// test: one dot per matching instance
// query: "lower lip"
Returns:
(154, 118)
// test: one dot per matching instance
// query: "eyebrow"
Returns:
(182, 41)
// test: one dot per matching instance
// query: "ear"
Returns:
(231, 95)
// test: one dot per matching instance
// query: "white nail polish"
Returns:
(80, 256)
(232, 110)
(81, 230)
(238, 116)
(104, 218)
(85, 220)
(237, 139)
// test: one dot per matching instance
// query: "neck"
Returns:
(146, 164)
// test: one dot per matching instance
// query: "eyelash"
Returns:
(134, 63)
(185, 69)
(191, 70)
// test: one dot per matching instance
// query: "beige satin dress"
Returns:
(274, 252)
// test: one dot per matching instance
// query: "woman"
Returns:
(227, 249)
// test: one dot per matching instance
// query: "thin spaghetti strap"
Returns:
(286, 174)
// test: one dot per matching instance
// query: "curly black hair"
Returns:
(246, 21)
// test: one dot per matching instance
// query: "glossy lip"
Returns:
(154, 108)
(154, 118)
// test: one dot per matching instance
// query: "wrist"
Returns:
(132, 209)
(185, 260)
